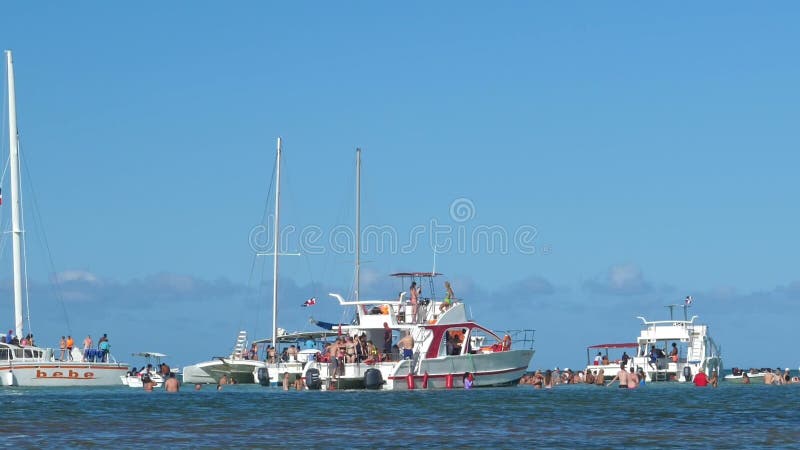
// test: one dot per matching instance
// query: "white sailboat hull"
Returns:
(60, 374)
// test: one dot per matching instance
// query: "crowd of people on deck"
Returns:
(100, 353)
(13, 339)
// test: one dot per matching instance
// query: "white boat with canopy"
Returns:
(670, 350)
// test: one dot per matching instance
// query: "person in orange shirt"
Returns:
(70, 345)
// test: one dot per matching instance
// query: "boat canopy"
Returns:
(622, 345)
(149, 355)
(298, 336)
(416, 274)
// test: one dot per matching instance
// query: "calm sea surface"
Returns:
(658, 415)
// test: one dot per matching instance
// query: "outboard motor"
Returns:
(687, 373)
(313, 381)
(263, 376)
(373, 379)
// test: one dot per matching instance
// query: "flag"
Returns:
(688, 301)
(310, 302)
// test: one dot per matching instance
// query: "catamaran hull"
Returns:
(242, 371)
(59, 374)
(491, 369)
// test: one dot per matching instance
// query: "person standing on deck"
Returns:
(449, 297)
(70, 346)
(406, 344)
(62, 345)
(673, 355)
(387, 341)
(87, 344)
(104, 347)
(414, 293)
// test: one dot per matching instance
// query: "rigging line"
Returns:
(258, 289)
(254, 260)
(24, 245)
(5, 170)
(43, 239)
(5, 117)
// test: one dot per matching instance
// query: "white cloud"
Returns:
(623, 279)
(67, 276)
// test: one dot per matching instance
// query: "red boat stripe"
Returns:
(492, 372)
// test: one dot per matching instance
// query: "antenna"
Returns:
(671, 309)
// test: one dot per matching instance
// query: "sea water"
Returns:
(665, 415)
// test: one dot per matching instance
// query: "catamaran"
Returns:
(29, 365)
(666, 350)
(244, 365)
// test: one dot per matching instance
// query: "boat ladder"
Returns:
(241, 343)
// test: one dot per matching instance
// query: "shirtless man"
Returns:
(622, 376)
(633, 379)
(87, 344)
(406, 344)
(172, 385)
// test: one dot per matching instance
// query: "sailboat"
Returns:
(243, 365)
(29, 365)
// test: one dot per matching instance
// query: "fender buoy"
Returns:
(425, 381)
(410, 381)
(687, 373)
(448, 381)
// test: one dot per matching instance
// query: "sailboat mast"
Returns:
(16, 212)
(358, 223)
(276, 237)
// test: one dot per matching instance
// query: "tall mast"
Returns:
(275, 239)
(358, 222)
(16, 212)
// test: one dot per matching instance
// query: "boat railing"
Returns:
(519, 339)
(668, 322)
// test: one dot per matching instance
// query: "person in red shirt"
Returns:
(701, 380)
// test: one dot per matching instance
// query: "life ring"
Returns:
(506, 343)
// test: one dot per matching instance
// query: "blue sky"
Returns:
(652, 149)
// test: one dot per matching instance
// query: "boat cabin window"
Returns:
(5, 354)
(453, 341)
